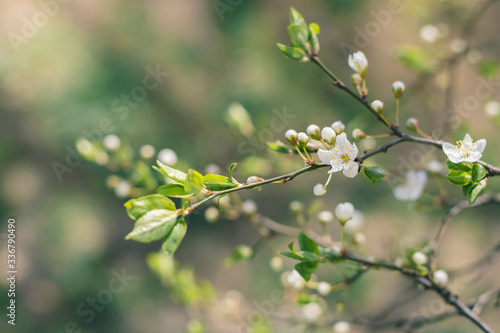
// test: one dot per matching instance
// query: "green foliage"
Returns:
(468, 175)
(279, 147)
(374, 174)
(459, 177)
(171, 173)
(153, 225)
(173, 191)
(218, 183)
(415, 59)
(140, 206)
(309, 256)
(194, 182)
(175, 237)
(489, 68)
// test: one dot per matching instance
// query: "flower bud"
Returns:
(328, 134)
(440, 277)
(211, 214)
(291, 136)
(356, 79)
(338, 127)
(276, 263)
(122, 189)
(147, 152)
(412, 124)
(341, 327)
(325, 216)
(324, 288)
(254, 179)
(419, 258)
(312, 311)
(314, 132)
(358, 134)
(296, 207)
(378, 106)
(398, 88)
(303, 139)
(344, 212)
(319, 190)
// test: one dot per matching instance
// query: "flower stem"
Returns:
(342, 236)
(422, 133)
(379, 136)
(397, 111)
(328, 181)
(307, 154)
(300, 153)
(324, 144)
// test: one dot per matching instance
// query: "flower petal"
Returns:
(353, 152)
(467, 138)
(325, 155)
(351, 169)
(474, 157)
(336, 166)
(479, 145)
(341, 140)
(448, 148)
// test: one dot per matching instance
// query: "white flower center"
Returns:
(343, 157)
(463, 149)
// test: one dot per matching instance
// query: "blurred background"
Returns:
(168, 74)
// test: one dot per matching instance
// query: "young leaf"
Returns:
(194, 182)
(478, 172)
(140, 206)
(231, 168)
(153, 225)
(299, 36)
(315, 28)
(306, 269)
(175, 237)
(170, 172)
(466, 188)
(474, 192)
(313, 39)
(293, 53)
(307, 244)
(458, 177)
(218, 183)
(173, 190)
(279, 146)
(374, 174)
(464, 166)
(296, 17)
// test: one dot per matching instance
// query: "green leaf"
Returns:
(464, 166)
(194, 182)
(279, 146)
(170, 172)
(291, 255)
(173, 190)
(478, 172)
(415, 58)
(231, 168)
(140, 206)
(241, 253)
(466, 188)
(374, 174)
(153, 225)
(458, 177)
(293, 53)
(296, 17)
(299, 35)
(306, 269)
(474, 192)
(175, 237)
(315, 28)
(313, 39)
(218, 183)
(489, 68)
(307, 244)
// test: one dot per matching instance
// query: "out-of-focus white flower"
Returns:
(122, 189)
(324, 288)
(344, 212)
(358, 62)
(295, 280)
(111, 142)
(474, 56)
(314, 132)
(360, 238)
(102, 158)
(458, 45)
(312, 311)
(84, 146)
(147, 151)
(167, 156)
(341, 327)
(368, 143)
(413, 188)
(328, 134)
(291, 136)
(249, 207)
(338, 127)
(276, 263)
(429, 33)
(341, 157)
(465, 150)
(377, 106)
(419, 258)
(440, 277)
(319, 190)
(297, 207)
(212, 214)
(212, 168)
(399, 262)
(231, 303)
(398, 88)
(355, 223)
(492, 108)
(325, 216)
(435, 166)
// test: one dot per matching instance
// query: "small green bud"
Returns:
(314, 132)
(356, 79)
(358, 134)
(291, 136)
(398, 88)
(377, 106)
(412, 124)
(303, 139)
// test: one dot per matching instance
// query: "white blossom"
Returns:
(297, 206)
(435, 166)
(419, 258)
(122, 189)
(413, 188)
(147, 151)
(344, 211)
(355, 223)
(276, 263)
(341, 327)
(249, 207)
(167, 156)
(111, 142)
(314, 132)
(291, 136)
(377, 106)
(319, 190)
(324, 288)
(429, 33)
(440, 277)
(341, 157)
(325, 216)
(328, 134)
(211, 214)
(492, 108)
(358, 62)
(338, 127)
(312, 311)
(465, 150)
(295, 280)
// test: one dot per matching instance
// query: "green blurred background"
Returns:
(59, 78)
